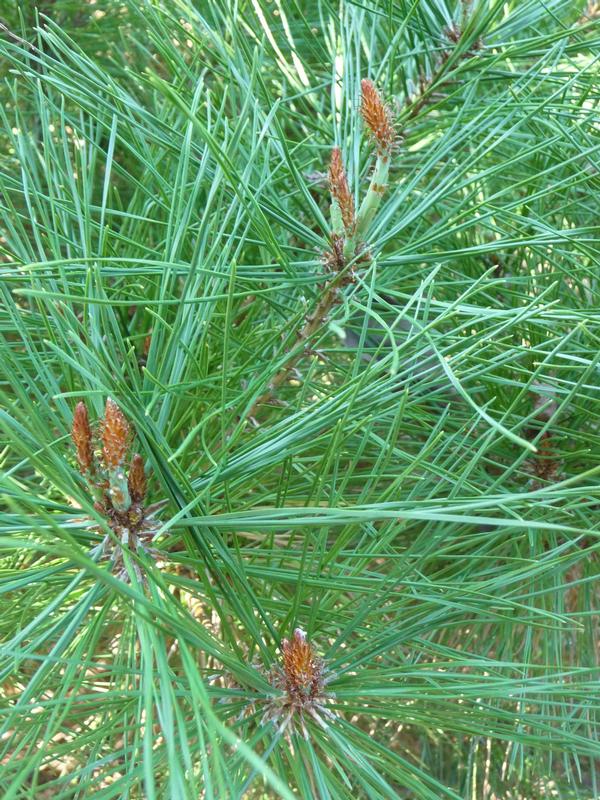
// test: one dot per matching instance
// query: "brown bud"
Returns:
(303, 670)
(377, 117)
(334, 259)
(338, 184)
(115, 435)
(81, 433)
(137, 479)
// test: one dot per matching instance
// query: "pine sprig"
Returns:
(372, 228)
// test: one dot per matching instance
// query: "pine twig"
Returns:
(348, 228)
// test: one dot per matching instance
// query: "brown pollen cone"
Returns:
(81, 433)
(377, 118)
(136, 480)
(115, 435)
(301, 667)
(338, 184)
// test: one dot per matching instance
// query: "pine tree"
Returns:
(298, 400)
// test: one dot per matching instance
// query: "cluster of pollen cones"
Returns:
(300, 683)
(117, 488)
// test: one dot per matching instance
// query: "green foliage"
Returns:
(420, 497)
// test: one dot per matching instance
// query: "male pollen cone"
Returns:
(81, 433)
(377, 118)
(301, 666)
(338, 184)
(115, 435)
(137, 479)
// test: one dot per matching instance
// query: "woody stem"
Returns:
(311, 326)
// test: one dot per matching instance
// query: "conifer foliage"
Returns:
(299, 410)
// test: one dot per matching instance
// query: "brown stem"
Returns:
(311, 326)
(424, 96)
